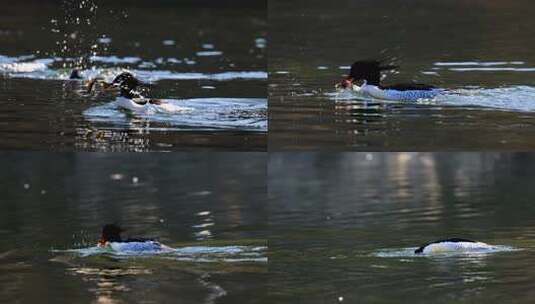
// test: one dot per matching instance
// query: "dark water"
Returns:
(481, 50)
(60, 200)
(204, 53)
(345, 225)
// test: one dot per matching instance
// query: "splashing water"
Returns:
(514, 98)
(188, 254)
(206, 113)
(47, 68)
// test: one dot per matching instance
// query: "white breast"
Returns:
(129, 104)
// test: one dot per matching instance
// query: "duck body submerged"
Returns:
(369, 73)
(394, 94)
(453, 245)
(111, 240)
(136, 246)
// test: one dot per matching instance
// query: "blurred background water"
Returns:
(59, 201)
(481, 50)
(341, 225)
(185, 49)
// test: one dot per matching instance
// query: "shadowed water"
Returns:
(208, 208)
(344, 227)
(483, 60)
(209, 54)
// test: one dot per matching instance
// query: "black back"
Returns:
(453, 240)
(127, 84)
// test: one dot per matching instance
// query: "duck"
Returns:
(365, 77)
(452, 245)
(111, 239)
(130, 96)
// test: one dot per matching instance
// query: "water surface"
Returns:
(345, 226)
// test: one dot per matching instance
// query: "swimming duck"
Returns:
(365, 77)
(130, 96)
(111, 239)
(453, 245)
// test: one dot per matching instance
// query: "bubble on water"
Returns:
(116, 176)
(174, 60)
(104, 40)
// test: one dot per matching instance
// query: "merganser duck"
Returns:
(129, 95)
(111, 239)
(453, 245)
(365, 77)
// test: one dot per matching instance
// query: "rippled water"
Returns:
(344, 227)
(206, 254)
(210, 208)
(223, 73)
(483, 59)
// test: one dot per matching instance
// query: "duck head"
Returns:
(127, 84)
(368, 71)
(110, 233)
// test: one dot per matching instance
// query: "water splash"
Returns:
(205, 254)
(52, 68)
(514, 98)
(245, 114)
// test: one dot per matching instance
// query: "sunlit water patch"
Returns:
(514, 98)
(187, 254)
(147, 70)
(198, 113)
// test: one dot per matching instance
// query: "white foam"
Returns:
(115, 59)
(245, 114)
